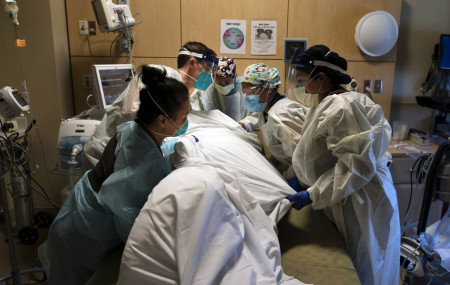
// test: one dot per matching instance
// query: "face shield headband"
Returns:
(206, 57)
(307, 61)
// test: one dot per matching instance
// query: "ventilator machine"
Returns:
(426, 255)
(73, 134)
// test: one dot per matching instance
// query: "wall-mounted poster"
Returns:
(264, 37)
(232, 36)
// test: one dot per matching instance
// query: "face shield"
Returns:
(299, 62)
(204, 78)
(300, 65)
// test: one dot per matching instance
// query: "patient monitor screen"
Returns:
(19, 98)
(444, 60)
(112, 81)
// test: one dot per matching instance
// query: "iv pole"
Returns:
(15, 273)
(12, 9)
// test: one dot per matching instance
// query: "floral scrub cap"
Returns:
(226, 67)
(261, 75)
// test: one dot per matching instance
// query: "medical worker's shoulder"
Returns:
(287, 106)
(334, 107)
(132, 136)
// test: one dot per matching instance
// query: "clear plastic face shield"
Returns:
(298, 61)
(204, 78)
(252, 97)
(299, 75)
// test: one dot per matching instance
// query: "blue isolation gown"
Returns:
(90, 224)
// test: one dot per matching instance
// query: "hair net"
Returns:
(226, 67)
(260, 74)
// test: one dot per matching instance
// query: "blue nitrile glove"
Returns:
(300, 199)
(294, 183)
(168, 145)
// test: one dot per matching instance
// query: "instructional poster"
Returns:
(232, 36)
(264, 37)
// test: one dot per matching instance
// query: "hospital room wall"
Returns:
(168, 24)
(421, 24)
(45, 66)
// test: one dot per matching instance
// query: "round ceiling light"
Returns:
(376, 33)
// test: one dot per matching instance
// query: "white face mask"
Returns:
(306, 99)
(224, 90)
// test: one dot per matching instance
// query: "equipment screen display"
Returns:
(99, 12)
(113, 82)
(19, 98)
(444, 58)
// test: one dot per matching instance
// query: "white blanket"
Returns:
(208, 221)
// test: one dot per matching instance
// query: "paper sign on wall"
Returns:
(264, 37)
(232, 36)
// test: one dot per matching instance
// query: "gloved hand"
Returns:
(300, 199)
(168, 145)
(294, 183)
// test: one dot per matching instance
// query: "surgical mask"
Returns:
(305, 98)
(181, 131)
(252, 100)
(224, 90)
(203, 80)
(253, 105)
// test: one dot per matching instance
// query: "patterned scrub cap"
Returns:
(226, 67)
(260, 74)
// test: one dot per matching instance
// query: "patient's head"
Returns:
(164, 103)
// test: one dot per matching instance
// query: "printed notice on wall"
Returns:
(264, 37)
(232, 36)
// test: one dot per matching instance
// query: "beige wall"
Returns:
(44, 64)
(168, 24)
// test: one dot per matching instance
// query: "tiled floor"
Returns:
(26, 256)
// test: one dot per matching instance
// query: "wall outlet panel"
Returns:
(92, 28)
(367, 83)
(83, 27)
(378, 86)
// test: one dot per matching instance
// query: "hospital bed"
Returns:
(311, 248)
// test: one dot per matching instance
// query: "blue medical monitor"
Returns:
(444, 52)
(110, 80)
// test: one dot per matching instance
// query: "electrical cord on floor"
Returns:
(420, 168)
(55, 205)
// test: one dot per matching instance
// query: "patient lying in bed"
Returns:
(213, 219)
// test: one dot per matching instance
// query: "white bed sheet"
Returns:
(212, 220)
